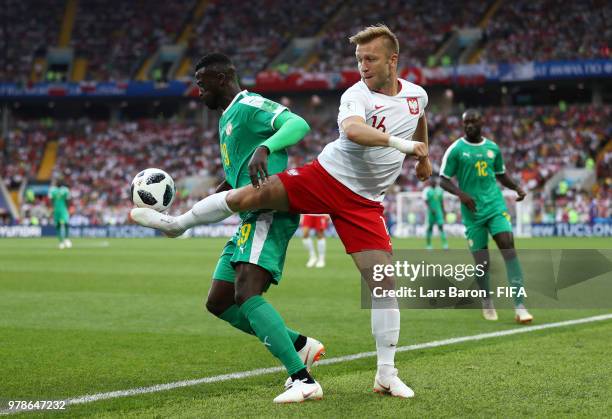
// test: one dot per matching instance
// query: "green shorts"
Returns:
(477, 232)
(435, 218)
(61, 218)
(261, 239)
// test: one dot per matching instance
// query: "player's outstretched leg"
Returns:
(211, 209)
(505, 242)
(385, 320)
(216, 207)
(269, 326)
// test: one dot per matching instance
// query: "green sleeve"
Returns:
(498, 164)
(449, 163)
(290, 127)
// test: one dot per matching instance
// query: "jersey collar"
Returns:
(245, 91)
(474, 144)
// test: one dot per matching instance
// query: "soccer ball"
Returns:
(153, 188)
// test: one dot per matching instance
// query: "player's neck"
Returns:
(474, 140)
(391, 88)
(229, 95)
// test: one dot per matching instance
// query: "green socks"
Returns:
(234, 317)
(61, 231)
(515, 278)
(270, 328)
(483, 282)
(443, 237)
(428, 235)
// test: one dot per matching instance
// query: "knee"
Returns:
(242, 199)
(233, 200)
(216, 307)
(242, 295)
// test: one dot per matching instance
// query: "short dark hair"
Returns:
(218, 60)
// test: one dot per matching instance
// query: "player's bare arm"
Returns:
(423, 168)
(291, 128)
(465, 199)
(361, 133)
(509, 183)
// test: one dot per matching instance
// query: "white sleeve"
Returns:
(424, 102)
(352, 103)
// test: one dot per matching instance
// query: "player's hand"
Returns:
(420, 150)
(468, 201)
(423, 169)
(258, 166)
(521, 194)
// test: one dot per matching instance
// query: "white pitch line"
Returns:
(262, 371)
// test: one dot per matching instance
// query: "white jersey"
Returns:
(369, 171)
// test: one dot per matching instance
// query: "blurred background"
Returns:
(93, 91)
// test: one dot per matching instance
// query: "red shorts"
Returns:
(315, 222)
(359, 222)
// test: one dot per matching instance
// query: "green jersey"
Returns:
(476, 166)
(433, 198)
(59, 198)
(245, 124)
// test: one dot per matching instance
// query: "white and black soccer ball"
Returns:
(153, 188)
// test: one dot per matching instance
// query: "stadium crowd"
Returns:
(118, 37)
(421, 28)
(27, 29)
(99, 159)
(116, 40)
(229, 26)
(549, 30)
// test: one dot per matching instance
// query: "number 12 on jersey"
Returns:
(481, 167)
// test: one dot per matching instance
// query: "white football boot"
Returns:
(68, 243)
(488, 310)
(148, 217)
(391, 384)
(521, 315)
(311, 262)
(300, 391)
(309, 354)
(62, 246)
(320, 263)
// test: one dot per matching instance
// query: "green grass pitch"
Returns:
(119, 314)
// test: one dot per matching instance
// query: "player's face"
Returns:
(472, 125)
(375, 63)
(209, 84)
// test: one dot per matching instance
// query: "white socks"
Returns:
(209, 210)
(309, 246)
(385, 328)
(321, 248)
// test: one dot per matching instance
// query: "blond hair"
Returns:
(376, 31)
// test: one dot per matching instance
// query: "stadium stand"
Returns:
(115, 40)
(28, 28)
(255, 32)
(549, 30)
(99, 159)
(421, 28)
